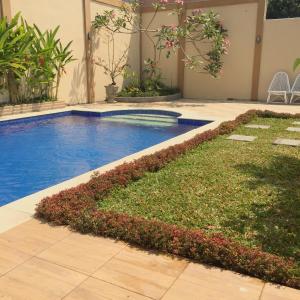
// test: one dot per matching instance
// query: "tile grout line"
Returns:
(75, 287)
(262, 291)
(29, 258)
(176, 278)
(124, 288)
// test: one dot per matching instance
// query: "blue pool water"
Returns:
(40, 152)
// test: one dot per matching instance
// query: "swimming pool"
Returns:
(39, 152)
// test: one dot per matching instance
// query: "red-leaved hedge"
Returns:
(77, 207)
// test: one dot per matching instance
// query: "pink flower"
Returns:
(197, 11)
(179, 2)
(169, 44)
(163, 1)
(227, 43)
(113, 14)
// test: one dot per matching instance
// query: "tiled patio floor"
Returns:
(38, 261)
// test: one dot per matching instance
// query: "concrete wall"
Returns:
(100, 46)
(236, 80)
(281, 46)
(69, 15)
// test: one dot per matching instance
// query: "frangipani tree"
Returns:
(202, 31)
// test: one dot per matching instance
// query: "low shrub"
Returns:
(77, 207)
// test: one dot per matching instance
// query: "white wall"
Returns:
(281, 46)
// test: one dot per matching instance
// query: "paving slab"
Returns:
(257, 126)
(141, 272)
(94, 289)
(206, 283)
(242, 138)
(296, 123)
(287, 142)
(276, 292)
(295, 129)
(38, 279)
(83, 253)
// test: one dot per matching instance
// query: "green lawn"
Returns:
(248, 191)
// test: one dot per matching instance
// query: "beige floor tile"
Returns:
(226, 284)
(148, 274)
(82, 253)
(10, 258)
(33, 236)
(275, 292)
(10, 218)
(94, 289)
(38, 280)
(183, 289)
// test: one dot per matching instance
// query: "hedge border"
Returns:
(77, 208)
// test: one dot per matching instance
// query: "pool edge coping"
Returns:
(23, 209)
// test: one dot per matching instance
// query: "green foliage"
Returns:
(296, 64)
(203, 31)
(229, 187)
(254, 194)
(31, 61)
(150, 86)
(278, 9)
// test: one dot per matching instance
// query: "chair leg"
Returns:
(269, 98)
(286, 100)
(292, 98)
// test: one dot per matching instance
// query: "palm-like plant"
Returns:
(31, 61)
(15, 42)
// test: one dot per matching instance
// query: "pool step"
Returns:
(146, 120)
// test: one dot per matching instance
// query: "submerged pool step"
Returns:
(139, 119)
(146, 118)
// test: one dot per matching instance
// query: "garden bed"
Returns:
(209, 199)
(6, 110)
(149, 99)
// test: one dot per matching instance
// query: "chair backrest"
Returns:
(296, 85)
(280, 83)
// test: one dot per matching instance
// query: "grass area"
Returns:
(248, 191)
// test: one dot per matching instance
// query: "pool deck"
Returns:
(38, 261)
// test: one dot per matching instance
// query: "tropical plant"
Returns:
(114, 65)
(296, 63)
(31, 62)
(203, 31)
(15, 42)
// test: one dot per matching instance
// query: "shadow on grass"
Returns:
(274, 222)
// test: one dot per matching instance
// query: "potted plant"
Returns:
(113, 67)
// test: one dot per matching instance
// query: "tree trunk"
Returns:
(12, 88)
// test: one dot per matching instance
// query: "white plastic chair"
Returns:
(280, 87)
(296, 89)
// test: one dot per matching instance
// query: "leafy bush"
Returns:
(77, 207)
(278, 9)
(148, 87)
(32, 61)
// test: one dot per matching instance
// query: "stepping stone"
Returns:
(296, 123)
(256, 126)
(296, 129)
(287, 142)
(242, 138)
